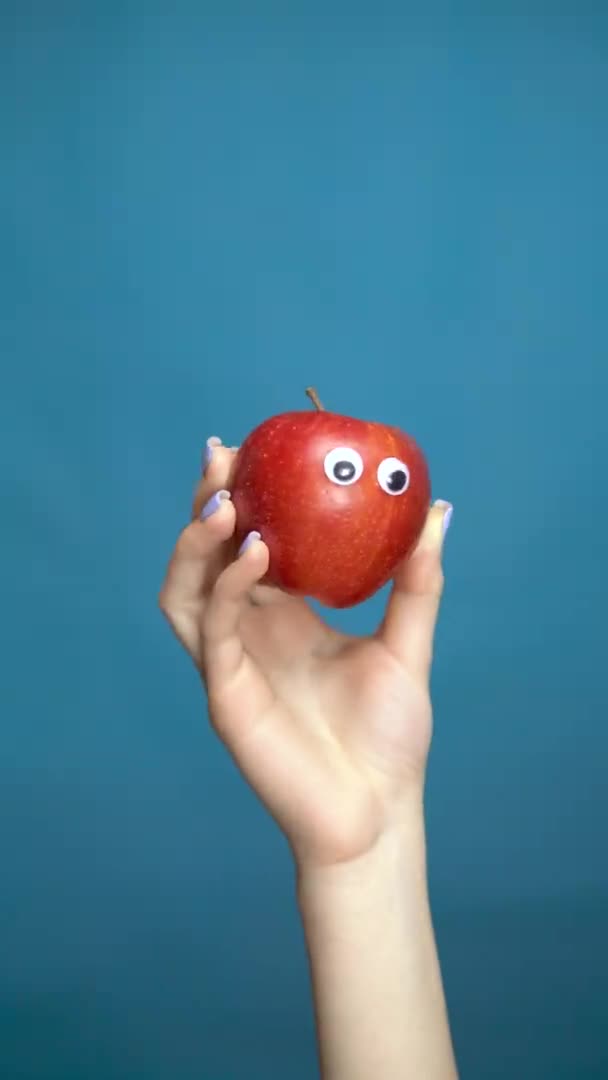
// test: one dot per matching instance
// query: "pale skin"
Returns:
(332, 732)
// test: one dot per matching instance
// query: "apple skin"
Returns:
(335, 543)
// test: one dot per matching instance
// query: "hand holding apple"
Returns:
(332, 730)
(329, 729)
(338, 501)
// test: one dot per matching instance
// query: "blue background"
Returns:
(200, 216)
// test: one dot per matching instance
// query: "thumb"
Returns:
(408, 626)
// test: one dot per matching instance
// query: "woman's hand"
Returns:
(331, 731)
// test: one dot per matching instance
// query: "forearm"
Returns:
(377, 988)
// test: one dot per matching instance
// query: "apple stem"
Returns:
(314, 397)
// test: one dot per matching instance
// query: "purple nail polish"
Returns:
(447, 518)
(214, 504)
(208, 451)
(248, 541)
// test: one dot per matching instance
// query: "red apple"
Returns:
(339, 502)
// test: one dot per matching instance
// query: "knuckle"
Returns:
(218, 470)
(168, 611)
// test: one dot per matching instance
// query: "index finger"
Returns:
(218, 471)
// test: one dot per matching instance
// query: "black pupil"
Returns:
(397, 480)
(344, 470)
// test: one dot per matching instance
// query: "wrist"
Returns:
(373, 961)
(393, 868)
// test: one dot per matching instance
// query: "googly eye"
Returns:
(343, 465)
(393, 476)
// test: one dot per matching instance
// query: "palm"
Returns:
(303, 720)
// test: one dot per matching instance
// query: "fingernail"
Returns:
(214, 504)
(208, 451)
(248, 541)
(447, 516)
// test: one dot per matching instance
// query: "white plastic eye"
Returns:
(343, 465)
(393, 476)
